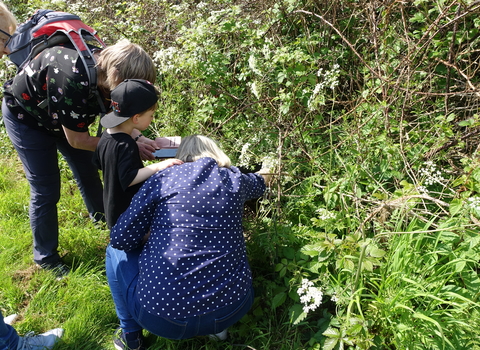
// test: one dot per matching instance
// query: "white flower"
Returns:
(255, 91)
(252, 63)
(432, 175)
(474, 203)
(245, 157)
(165, 59)
(270, 162)
(310, 296)
(422, 189)
(324, 214)
(327, 79)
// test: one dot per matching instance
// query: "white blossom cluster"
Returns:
(255, 89)
(432, 175)
(270, 162)
(324, 214)
(474, 203)
(245, 156)
(202, 5)
(252, 63)
(164, 59)
(422, 189)
(328, 79)
(310, 296)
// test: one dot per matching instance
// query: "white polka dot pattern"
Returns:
(195, 258)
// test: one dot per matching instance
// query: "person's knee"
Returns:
(44, 189)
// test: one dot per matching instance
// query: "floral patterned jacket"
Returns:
(53, 90)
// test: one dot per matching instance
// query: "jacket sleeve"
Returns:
(135, 222)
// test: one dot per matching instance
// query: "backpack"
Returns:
(47, 28)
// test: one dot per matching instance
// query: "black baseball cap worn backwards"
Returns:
(130, 97)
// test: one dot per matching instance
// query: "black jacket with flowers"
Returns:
(53, 90)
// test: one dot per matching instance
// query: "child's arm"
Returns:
(151, 169)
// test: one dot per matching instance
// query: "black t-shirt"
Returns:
(118, 157)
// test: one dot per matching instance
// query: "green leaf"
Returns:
(355, 329)
(349, 264)
(330, 344)
(289, 253)
(279, 299)
(281, 77)
(467, 122)
(460, 265)
(296, 314)
(456, 206)
(367, 265)
(331, 332)
(377, 252)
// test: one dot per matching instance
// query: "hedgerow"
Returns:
(368, 112)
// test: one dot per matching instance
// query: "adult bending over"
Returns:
(192, 276)
(58, 77)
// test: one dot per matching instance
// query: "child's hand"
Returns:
(168, 163)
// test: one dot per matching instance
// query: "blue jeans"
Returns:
(8, 336)
(122, 274)
(37, 150)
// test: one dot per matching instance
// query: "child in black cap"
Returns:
(133, 102)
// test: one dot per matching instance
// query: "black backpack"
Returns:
(48, 28)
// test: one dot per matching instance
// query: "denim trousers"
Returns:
(37, 149)
(8, 336)
(122, 274)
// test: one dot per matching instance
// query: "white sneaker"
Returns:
(219, 336)
(44, 341)
(10, 319)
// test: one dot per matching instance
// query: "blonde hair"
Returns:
(195, 147)
(7, 19)
(124, 60)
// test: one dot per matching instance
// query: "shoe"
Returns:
(58, 268)
(10, 319)
(44, 341)
(219, 336)
(134, 341)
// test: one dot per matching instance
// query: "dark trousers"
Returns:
(8, 336)
(37, 150)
